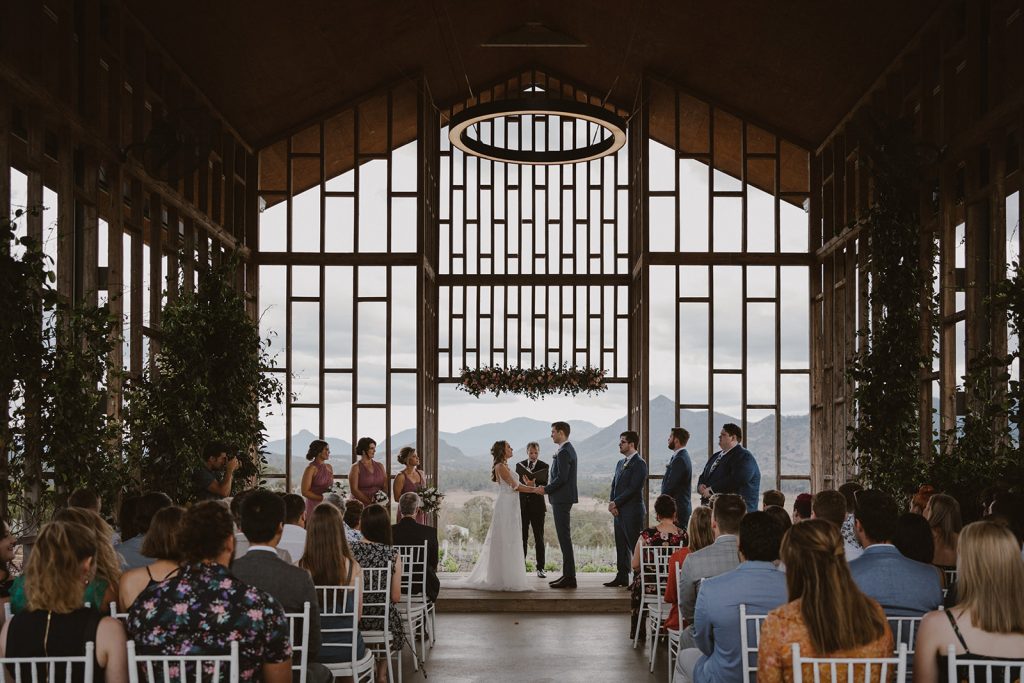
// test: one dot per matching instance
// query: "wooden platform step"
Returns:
(590, 597)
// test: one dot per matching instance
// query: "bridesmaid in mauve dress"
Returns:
(367, 477)
(318, 476)
(410, 479)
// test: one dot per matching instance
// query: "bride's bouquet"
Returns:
(432, 499)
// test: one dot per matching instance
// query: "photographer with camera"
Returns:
(216, 458)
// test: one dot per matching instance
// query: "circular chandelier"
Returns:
(610, 126)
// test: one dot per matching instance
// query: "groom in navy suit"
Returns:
(627, 504)
(561, 491)
(731, 470)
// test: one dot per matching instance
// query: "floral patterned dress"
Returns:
(377, 556)
(651, 537)
(203, 609)
(785, 626)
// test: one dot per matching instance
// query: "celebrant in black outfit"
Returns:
(531, 505)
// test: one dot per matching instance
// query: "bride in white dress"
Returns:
(501, 565)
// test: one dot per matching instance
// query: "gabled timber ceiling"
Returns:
(793, 66)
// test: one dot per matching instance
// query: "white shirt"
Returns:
(293, 539)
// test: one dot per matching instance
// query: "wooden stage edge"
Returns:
(590, 597)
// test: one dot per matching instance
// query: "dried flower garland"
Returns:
(533, 382)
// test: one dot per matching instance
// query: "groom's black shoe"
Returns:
(560, 579)
(565, 583)
(616, 582)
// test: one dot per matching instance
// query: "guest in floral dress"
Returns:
(410, 480)
(367, 477)
(203, 608)
(375, 551)
(664, 533)
(827, 614)
(318, 477)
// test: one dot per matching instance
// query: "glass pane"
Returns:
(728, 292)
(273, 313)
(693, 209)
(794, 302)
(338, 293)
(306, 352)
(761, 353)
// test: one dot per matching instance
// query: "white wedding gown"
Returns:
(501, 565)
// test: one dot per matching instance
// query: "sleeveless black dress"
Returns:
(27, 637)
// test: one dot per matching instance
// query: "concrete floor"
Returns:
(535, 648)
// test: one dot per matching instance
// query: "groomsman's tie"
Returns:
(715, 463)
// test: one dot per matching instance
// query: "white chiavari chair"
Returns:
(983, 670)
(19, 669)
(377, 608)
(750, 640)
(850, 669)
(413, 607)
(339, 621)
(183, 668)
(298, 625)
(653, 580)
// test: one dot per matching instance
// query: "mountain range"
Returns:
(597, 447)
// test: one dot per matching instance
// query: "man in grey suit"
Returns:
(756, 583)
(903, 587)
(718, 558)
(263, 523)
(562, 493)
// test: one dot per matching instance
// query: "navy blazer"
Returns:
(737, 473)
(678, 483)
(561, 486)
(903, 587)
(628, 483)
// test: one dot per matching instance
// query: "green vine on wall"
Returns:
(208, 385)
(887, 371)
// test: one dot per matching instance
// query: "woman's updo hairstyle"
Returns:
(403, 455)
(316, 447)
(363, 445)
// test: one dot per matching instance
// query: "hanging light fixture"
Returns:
(608, 128)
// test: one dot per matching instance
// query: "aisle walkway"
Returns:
(535, 648)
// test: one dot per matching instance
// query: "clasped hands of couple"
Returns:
(531, 485)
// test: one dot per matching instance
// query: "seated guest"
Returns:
(664, 533)
(330, 562)
(102, 587)
(263, 514)
(773, 497)
(913, 538)
(293, 539)
(943, 515)
(1011, 507)
(334, 499)
(802, 508)
(849, 491)
(204, 607)
(162, 547)
(827, 614)
(903, 587)
(241, 542)
(126, 518)
(54, 623)
(831, 506)
(718, 558)
(756, 583)
(779, 514)
(145, 508)
(376, 551)
(700, 536)
(919, 501)
(85, 498)
(410, 532)
(7, 545)
(353, 520)
(988, 620)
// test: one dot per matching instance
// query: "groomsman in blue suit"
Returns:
(679, 475)
(731, 470)
(627, 504)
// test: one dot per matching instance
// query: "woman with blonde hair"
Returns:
(54, 623)
(827, 614)
(989, 613)
(102, 588)
(161, 544)
(329, 560)
(700, 535)
(943, 515)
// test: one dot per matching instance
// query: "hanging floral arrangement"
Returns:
(533, 382)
